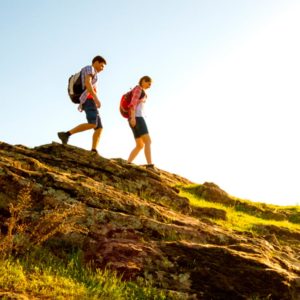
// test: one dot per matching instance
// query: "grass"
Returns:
(40, 274)
(240, 220)
(28, 269)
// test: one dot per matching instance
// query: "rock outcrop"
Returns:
(133, 220)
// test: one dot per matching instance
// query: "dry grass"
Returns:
(38, 274)
(24, 233)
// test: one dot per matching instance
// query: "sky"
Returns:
(223, 106)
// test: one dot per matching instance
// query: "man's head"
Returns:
(98, 63)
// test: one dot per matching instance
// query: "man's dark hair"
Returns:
(99, 58)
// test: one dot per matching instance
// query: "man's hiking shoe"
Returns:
(64, 137)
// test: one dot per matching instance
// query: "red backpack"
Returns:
(125, 102)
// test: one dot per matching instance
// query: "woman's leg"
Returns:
(138, 147)
(147, 142)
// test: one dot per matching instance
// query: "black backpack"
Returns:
(75, 88)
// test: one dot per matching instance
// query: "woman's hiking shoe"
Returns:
(150, 166)
(64, 137)
(95, 151)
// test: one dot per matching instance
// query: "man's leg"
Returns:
(82, 127)
(64, 136)
(96, 138)
(94, 122)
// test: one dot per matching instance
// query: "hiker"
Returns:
(137, 122)
(89, 102)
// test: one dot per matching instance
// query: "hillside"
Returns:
(153, 225)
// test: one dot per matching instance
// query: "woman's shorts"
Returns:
(92, 113)
(140, 127)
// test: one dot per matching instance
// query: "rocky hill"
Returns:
(135, 221)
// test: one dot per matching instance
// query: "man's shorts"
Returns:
(140, 127)
(92, 113)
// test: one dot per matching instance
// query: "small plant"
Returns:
(15, 228)
(23, 233)
(59, 220)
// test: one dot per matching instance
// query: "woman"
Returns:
(137, 121)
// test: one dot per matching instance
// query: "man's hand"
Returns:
(91, 90)
(97, 102)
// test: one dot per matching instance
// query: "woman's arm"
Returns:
(136, 94)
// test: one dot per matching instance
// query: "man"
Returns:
(89, 102)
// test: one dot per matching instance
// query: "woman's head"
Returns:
(145, 82)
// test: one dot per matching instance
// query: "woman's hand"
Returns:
(132, 122)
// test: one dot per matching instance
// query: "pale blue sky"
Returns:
(224, 102)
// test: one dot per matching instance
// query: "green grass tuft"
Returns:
(240, 218)
(41, 275)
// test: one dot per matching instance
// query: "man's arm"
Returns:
(89, 88)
